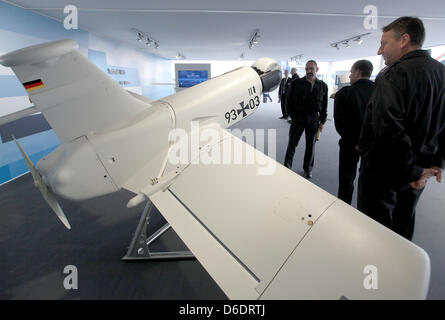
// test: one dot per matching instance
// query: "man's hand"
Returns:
(427, 173)
(439, 173)
(320, 126)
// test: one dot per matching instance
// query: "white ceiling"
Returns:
(221, 30)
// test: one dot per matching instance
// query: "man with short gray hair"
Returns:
(402, 143)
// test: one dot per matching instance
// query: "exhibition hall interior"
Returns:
(112, 114)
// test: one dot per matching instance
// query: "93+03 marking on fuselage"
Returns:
(233, 114)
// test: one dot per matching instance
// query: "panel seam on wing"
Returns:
(258, 280)
(295, 248)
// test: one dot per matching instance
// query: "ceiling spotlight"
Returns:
(254, 40)
(347, 42)
(298, 57)
(335, 45)
(180, 56)
(142, 36)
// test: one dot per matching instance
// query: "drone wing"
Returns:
(264, 232)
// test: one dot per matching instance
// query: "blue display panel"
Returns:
(189, 78)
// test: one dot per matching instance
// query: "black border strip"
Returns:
(32, 82)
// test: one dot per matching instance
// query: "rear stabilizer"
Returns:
(74, 95)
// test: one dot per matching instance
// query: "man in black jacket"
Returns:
(282, 93)
(294, 76)
(402, 143)
(307, 107)
(349, 108)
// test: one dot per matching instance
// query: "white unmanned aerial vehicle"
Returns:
(259, 235)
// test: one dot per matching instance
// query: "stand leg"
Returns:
(139, 246)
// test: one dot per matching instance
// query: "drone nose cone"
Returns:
(270, 73)
(266, 65)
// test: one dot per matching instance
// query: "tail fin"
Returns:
(74, 95)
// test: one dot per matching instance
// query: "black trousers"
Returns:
(394, 207)
(347, 170)
(265, 96)
(283, 106)
(308, 124)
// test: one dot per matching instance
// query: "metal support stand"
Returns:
(139, 246)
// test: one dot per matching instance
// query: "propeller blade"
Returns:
(54, 204)
(43, 188)
(29, 164)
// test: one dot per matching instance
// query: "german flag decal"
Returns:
(34, 85)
